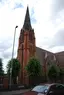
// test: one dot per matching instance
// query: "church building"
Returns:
(27, 48)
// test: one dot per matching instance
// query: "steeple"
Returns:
(27, 23)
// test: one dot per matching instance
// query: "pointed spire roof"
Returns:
(27, 23)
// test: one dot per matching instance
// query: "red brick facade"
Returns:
(26, 47)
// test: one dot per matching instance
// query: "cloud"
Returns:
(7, 54)
(57, 49)
(0, 1)
(56, 6)
(59, 38)
(18, 6)
(32, 16)
(56, 41)
(4, 46)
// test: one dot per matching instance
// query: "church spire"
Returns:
(27, 23)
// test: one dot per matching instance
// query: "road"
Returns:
(16, 92)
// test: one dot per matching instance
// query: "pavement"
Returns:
(16, 92)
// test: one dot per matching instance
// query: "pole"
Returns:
(12, 56)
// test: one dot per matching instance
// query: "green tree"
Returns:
(61, 74)
(14, 65)
(33, 67)
(1, 68)
(34, 71)
(53, 73)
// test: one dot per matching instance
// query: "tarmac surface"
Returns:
(16, 92)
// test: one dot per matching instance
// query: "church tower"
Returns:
(26, 46)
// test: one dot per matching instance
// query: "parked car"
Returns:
(47, 89)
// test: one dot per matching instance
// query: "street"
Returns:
(16, 92)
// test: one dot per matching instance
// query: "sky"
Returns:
(47, 20)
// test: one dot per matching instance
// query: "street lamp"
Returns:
(14, 42)
(12, 55)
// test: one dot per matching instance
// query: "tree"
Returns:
(34, 71)
(1, 68)
(15, 66)
(61, 74)
(33, 67)
(53, 72)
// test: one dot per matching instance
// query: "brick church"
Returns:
(27, 48)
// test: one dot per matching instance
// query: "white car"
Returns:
(47, 89)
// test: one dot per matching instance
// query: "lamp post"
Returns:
(12, 56)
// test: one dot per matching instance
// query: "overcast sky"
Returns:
(47, 19)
